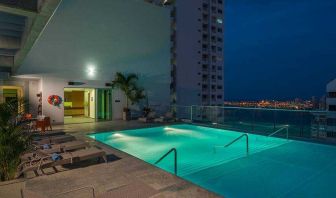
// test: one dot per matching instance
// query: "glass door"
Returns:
(104, 104)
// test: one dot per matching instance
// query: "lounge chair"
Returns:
(57, 139)
(47, 133)
(65, 158)
(55, 148)
(166, 118)
(150, 117)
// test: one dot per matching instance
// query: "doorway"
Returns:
(79, 105)
(11, 93)
(104, 104)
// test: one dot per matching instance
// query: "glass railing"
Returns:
(319, 125)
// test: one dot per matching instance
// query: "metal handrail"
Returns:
(175, 159)
(235, 140)
(279, 130)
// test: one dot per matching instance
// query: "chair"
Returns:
(150, 117)
(28, 116)
(57, 139)
(47, 123)
(55, 148)
(43, 124)
(66, 158)
(166, 118)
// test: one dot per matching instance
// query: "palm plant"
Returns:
(13, 141)
(128, 85)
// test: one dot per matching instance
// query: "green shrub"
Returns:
(13, 141)
(128, 85)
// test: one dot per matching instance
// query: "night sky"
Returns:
(279, 49)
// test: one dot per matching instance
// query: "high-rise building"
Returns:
(197, 58)
(331, 108)
(331, 96)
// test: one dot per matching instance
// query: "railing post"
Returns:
(191, 113)
(175, 162)
(301, 124)
(247, 144)
(217, 114)
(223, 108)
(253, 120)
(274, 125)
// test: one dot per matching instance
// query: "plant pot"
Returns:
(126, 115)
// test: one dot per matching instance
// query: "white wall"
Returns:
(34, 88)
(118, 103)
(92, 104)
(52, 86)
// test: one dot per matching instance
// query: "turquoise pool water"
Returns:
(274, 167)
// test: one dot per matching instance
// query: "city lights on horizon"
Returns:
(296, 104)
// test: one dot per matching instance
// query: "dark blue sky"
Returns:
(279, 49)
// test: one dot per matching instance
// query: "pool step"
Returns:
(221, 157)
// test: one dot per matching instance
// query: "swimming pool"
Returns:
(274, 167)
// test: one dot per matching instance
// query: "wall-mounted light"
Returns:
(91, 70)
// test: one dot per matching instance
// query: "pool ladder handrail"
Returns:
(279, 130)
(175, 159)
(235, 140)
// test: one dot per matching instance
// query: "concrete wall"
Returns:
(118, 103)
(52, 86)
(92, 104)
(34, 89)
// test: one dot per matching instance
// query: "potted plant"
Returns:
(133, 93)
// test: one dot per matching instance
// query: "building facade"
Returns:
(197, 58)
(76, 57)
(331, 96)
(331, 108)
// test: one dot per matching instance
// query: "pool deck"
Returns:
(120, 170)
